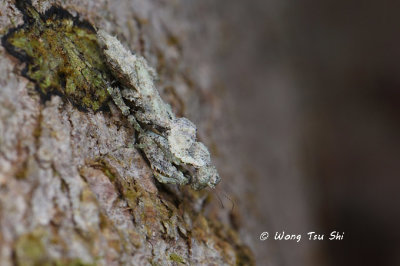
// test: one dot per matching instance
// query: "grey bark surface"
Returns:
(73, 189)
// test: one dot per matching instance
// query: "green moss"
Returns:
(73, 262)
(29, 250)
(175, 257)
(62, 54)
(109, 174)
(153, 263)
(22, 170)
(244, 256)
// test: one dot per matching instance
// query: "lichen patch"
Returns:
(62, 56)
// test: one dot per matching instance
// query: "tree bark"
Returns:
(73, 189)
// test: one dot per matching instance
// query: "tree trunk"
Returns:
(74, 190)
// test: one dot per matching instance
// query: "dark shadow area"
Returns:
(316, 89)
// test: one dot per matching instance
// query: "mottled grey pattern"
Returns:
(168, 142)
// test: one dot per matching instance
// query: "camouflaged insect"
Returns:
(168, 142)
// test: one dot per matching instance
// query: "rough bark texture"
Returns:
(74, 191)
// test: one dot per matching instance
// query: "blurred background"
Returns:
(314, 89)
